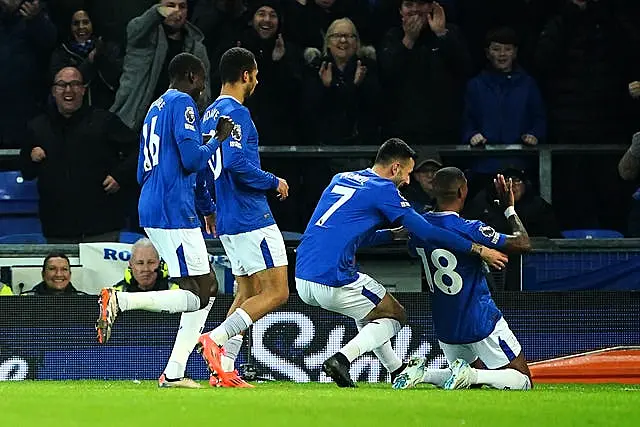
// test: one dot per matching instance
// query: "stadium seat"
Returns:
(592, 234)
(18, 205)
(130, 237)
(25, 239)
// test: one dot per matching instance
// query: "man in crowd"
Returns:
(146, 271)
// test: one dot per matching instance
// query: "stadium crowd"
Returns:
(78, 77)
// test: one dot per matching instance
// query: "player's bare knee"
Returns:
(400, 314)
(213, 285)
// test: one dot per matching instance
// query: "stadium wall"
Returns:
(52, 338)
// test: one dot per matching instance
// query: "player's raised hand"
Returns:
(210, 224)
(223, 128)
(283, 189)
(504, 190)
(495, 259)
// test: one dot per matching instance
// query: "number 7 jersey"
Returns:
(463, 310)
(350, 210)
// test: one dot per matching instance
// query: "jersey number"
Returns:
(346, 194)
(215, 163)
(151, 145)
(442, 271)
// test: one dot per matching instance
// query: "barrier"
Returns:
(545, 154)
(53, 337)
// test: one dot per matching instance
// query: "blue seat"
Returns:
(130, 236)
(17, 195)
(592, 234)
(18, 205)
(24, 239)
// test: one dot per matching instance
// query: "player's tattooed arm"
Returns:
(495, 259)
(629, 165)
(518, 241)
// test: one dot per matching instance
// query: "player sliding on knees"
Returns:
(475, 338)
(350, 210)
(171, 153)
(248, 232)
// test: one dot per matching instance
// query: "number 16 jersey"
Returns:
(171, 151)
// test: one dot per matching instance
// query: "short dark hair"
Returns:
(394, 149)
(502, 35)
(54, 255)
(183, 64)
(446, 183)
(234, 63)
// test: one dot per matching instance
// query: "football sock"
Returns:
(232, 325)
(384, 353)
(503, 379)
(174, 301)
(191, 325)
(436, 377)
(231, 350)
(373, 335)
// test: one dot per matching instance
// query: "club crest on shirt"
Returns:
(190, 115)
(236, 133)
(487, 231)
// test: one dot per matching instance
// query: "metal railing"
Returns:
(545, 154)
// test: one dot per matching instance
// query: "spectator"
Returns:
(76, 154)
(27, 39)
(153, 40)
(273, 103)
(56, 277)
(5, 290)
(308, 20)
(222, 22)
(98, 61)
(502, 106)
(419, 192)
(628, 169)
(423, 66)
(146, 271)
(536, 214)
(342, 89)
(584, 56)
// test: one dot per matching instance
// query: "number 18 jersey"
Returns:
(462, 307)
(350, 210)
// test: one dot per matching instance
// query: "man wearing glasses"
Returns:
(82, 156)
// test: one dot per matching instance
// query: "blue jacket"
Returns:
(503, 107)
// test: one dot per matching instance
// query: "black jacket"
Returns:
(129, 284)
(273, 103)
(343, 114)
(42, 289)
(80, 152)
(586, 61)
(424, 86)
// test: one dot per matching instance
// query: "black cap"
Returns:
(428, 162)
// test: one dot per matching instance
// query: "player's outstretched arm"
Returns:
(426, 231)
(519, 241)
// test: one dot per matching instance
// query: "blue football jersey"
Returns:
(171, 152)
(463, 310)
(240, 184)
(350, 210)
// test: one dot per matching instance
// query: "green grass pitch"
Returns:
(125, 403)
